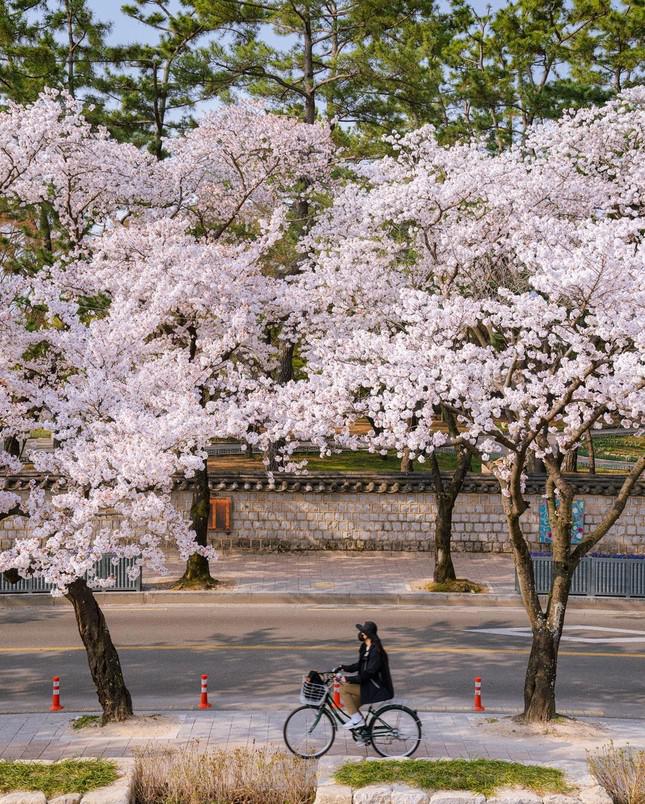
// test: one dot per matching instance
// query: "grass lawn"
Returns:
(460, 585)
(477, 775)
(343, 462)
(58, 778)
(617, 448)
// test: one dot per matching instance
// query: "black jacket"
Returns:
(373, 675)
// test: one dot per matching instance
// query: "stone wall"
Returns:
(400, 521)
(384, 513)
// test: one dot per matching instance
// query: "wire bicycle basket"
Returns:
(313, 694)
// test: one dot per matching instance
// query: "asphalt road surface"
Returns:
(255, 655)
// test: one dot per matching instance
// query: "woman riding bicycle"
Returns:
(393, 730)
(373, 682)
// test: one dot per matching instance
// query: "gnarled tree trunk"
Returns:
(446, 496)
(547, 624)
(444, 569)
(541, 671)
(102, 656)
(539, 682)
(407, 464)
(570, 462)
(197, 573)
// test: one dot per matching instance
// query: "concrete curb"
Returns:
(121, 792)
(214, 598)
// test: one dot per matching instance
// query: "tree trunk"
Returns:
(102, 656)
(407, 465)
(446, 496)
(570, 462)
(592, 454)
(539, 683)
(284, 375)
(197, 573)
(535, 465)
(547, 624)
(444, 569)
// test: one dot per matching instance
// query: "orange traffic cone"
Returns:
(336, 694)
(478, 706)
(56, 707)
(203, 698)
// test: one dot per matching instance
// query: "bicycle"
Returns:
(309, 732)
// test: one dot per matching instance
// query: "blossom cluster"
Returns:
(506, 290)
(156, 305)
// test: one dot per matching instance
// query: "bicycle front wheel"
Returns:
(309, 732)
(395, 731)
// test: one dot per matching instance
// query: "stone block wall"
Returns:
(384, 514)
(266, 520)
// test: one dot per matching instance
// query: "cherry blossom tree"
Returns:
(136, 337)
(94, 383)
(506, 290)
(235, 181)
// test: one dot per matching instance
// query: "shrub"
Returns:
(621, 771)
(189, 775)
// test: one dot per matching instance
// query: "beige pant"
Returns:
(351, 697)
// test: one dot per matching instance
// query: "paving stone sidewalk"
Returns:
(445, 735)
(359, 572)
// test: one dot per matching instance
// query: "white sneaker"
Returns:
(355, 721)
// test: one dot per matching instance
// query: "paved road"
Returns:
(255, 655)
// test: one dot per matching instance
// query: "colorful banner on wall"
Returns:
(577, 527)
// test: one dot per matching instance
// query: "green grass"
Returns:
(85, 720)
(368, 461)
(361, 461)
(66, 776)
(460, 585)
(617, 447)
(477, 775)
(40, 432)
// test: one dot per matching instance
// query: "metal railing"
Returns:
(603, 576)
(103, 568)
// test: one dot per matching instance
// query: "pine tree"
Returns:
(157, 86)
(27, 51)
(357, 63)
(610, 55)
(517, 65)
(80, 45)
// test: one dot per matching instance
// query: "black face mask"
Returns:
(361, 636)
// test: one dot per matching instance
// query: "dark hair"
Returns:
(376, 641)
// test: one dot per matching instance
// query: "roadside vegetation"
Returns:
(483, 776)
(191, 776)
(57, 778)
(621, 771)
(85, 721)
(460, 585)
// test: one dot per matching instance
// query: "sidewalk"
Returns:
(446, 735)
(330, 578)
(337, 571)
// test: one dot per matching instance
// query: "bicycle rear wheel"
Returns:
(309, 732)
(395, 731)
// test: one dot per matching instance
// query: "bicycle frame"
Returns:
(339, 715)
